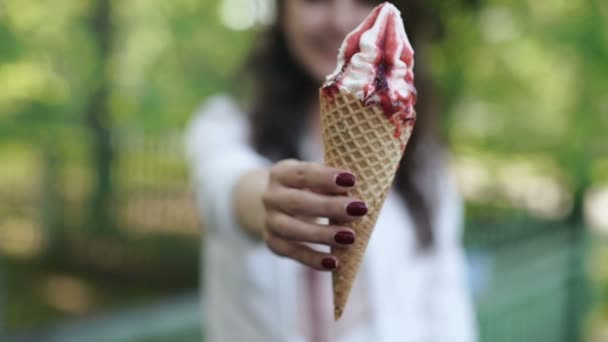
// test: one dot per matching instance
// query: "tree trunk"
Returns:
(98, 123)
(51, 200)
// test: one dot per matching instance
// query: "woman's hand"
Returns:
(296, 195)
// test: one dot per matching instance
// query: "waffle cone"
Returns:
(361, 139)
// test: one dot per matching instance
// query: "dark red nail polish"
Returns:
(329, 263)
(356, 209)
(345, 179)
(344, 238)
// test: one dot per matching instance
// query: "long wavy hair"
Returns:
(282, 93)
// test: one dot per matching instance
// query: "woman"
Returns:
(261, 187)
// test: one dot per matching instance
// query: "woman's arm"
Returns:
(247, 200)
(240, 192)
(219, 155)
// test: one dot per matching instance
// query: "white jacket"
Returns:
(400, 295)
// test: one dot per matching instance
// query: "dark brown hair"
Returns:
(282, 92)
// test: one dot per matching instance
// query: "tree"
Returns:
(97, 120)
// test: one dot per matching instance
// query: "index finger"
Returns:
(314, 176)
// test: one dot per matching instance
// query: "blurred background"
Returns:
(99, 238)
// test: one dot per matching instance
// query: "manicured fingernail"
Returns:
(329, 263)
(344, 238)
(356, 209)
(345, 179)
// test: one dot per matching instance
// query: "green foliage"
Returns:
(525, 79)
(169, 57)
(166, 58)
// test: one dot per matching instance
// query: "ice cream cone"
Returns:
(367, 115)
(362, 139)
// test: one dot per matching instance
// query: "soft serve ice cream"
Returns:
(375, 63)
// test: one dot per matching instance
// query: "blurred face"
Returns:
(314, 30)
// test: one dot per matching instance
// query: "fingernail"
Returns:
(345, 179)
(356, 209)
(329, 263)
(344, 238)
